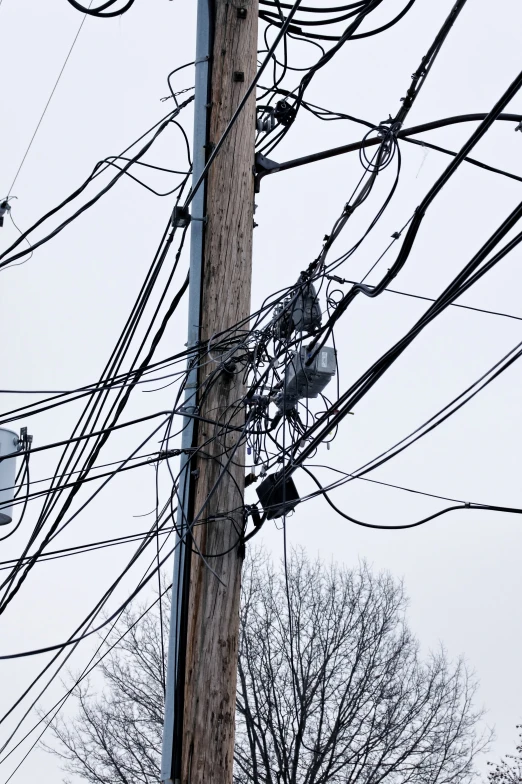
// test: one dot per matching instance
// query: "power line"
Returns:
(100, 11)
(431, 299)
(71, 641)
(93, 200)
(461, 506)
(86, 671)
(48, 102)
(260, 349)
(79, 549)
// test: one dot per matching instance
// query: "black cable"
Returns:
(71, 641)
(99, 11)
(444, 413)
(349, 477)
(355, 36)
(270, 16)
(369, 142)
(419, 77)
(435, 420)
(110, 384)
(452, 304)
(123, 467)
(417, 523)
(104, 431)
(93, 456)
(473, 161)
(94, 613)
(314, 9)
(87, 621)
(86, 671)
(8, 584)
(420, 212)
(4, 261)
(79, 549)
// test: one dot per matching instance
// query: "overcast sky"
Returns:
(62, 311)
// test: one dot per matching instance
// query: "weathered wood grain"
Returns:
(213, 612)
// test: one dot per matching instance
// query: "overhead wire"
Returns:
(261, 356)
(100, 11)
(62, 701)
(86, 671)
(463, 506)
(85, 624)
(93, 200)
(48, 102)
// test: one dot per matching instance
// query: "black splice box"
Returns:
(277, 496)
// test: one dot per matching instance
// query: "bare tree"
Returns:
(116, 734)
(509, 769)
(331, 689)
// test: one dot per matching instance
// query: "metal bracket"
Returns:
(5, 208)
(181, 218)
(23, 443)
(262, 166)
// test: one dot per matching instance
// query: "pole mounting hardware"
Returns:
(262, 166)
(23, 443)
(5, 208)
(181, 218)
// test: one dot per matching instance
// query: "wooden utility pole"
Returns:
(213, 606)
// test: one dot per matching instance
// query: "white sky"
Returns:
(62, 311)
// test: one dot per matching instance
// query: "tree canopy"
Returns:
(331, 688)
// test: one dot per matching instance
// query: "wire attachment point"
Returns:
(5, 208)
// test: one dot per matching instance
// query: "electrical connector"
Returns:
(306, 312)
(300, 313)
(266, 120)
(306, 381)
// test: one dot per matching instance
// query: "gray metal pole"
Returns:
(169, 752)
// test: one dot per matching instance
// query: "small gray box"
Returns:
(302, 381)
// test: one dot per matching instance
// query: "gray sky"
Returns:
(62, 311)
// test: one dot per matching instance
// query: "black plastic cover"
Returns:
(277, 497)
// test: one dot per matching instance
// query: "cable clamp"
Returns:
(23, 443)
(251, 510)
(419, 73)
(188, 410)
(389, 127)
(164, 454)
(5, 207)
(258, 401)
(181, 218)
